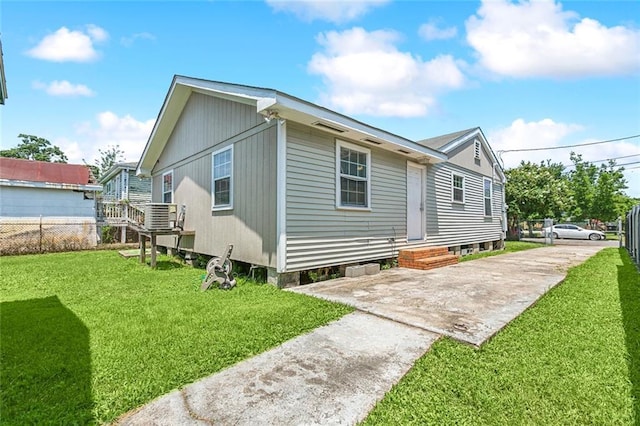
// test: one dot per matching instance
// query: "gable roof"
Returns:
(451, 141)
(113, 170)
(440, 141)
(18, 172)
(272, 104)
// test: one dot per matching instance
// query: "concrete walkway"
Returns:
(470, 301)
(336, 373)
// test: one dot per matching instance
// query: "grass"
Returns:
(509, 247)
(88, 336)
(574, 358)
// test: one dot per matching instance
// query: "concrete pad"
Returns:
(333, 375)
(470, 301)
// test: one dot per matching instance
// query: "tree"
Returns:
(582, 181)
(535, 191)
(35, 148)
(108, 158)
(610, 201)
(598, 192)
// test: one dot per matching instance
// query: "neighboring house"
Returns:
(120, 184)
(50, 202)
(295, 186)
(123, 197)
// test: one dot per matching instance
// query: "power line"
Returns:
(617, 165)
(567, 146)
(625, 164)
(608, 159)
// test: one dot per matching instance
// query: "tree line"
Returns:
(586, 192)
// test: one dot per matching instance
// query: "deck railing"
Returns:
(116, 213)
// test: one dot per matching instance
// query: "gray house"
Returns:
(121, 204)
(295, 186)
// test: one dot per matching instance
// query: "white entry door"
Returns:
(415, 202)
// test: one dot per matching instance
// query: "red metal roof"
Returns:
(42, 171)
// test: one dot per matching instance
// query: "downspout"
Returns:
(503, 181)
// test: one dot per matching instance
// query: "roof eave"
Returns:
(269, 103)
(50, 185)
(295, 109)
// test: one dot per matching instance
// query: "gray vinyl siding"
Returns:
(463, 157)
(206, 121)
(451, 224)
(319, 234)
(251, 225)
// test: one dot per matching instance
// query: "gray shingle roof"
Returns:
(440, 141)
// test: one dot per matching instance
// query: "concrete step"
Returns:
(426, 258)
(422, 252)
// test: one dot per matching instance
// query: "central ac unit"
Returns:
(159, 216)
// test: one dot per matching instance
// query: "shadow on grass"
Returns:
(629, 288)
(45, 364)
(166, 265)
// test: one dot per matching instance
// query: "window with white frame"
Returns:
(457, 188)
(167, 187)
(222, 185)
(353, 164)
(488, 195)
(476, 149)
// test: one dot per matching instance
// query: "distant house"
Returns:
(46, 202)
(295, 186)
(123, 197)
(120, 184)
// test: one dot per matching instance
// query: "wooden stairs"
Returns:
(426, 258)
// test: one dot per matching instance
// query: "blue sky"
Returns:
(89, 75)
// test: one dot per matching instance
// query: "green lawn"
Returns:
(88, 336)
(574, 358)
(509, 247)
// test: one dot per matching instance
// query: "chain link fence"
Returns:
(534, 228)
(46, 234)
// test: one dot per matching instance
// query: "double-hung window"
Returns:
(167, 187)
(353, 177)
(487, 197)
(457, 188)
(222, 182)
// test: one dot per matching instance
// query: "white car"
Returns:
(575, 232)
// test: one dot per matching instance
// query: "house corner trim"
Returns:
(281, 196)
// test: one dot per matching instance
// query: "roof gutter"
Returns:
(49, 185)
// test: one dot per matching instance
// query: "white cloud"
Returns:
(545, 133)
(431, 31)
(63, 88)
(326, 10)
(129, 41)
(108, 129)
(539, 39)
(96, 33)
(365, 73)
(74, 46)
(548, 133)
